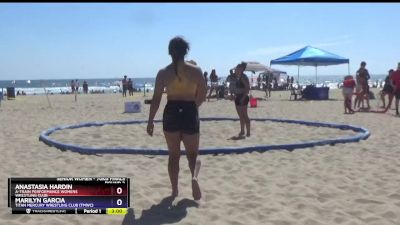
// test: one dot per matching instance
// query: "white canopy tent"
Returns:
(254, 66)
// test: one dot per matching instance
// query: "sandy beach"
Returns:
(349, 184)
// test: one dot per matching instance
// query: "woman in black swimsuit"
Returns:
(242, 98)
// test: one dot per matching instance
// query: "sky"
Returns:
(108, 40)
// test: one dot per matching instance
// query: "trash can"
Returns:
(10, 93)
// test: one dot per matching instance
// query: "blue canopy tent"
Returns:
(310, 56)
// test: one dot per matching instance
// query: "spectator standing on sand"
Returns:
(231, 80)
(76, 86)
(363, 79)
(72, 84)
(130, 87)
(242, 99)
(85, 87)
(396, 85)
(124, 86)
(348, 88)
(387, 89)
(214, 83)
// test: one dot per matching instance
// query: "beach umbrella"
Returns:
(254, 67)
(311, 56)
(276, 71)
(273, 71)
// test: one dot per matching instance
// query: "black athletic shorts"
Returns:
(181, 116)
(239, 98)
(387, 89)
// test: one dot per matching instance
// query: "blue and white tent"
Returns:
(310, 56)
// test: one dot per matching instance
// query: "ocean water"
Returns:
(113, 85)
(37, 87)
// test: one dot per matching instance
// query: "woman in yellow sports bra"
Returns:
(186, 91)
(181, 86)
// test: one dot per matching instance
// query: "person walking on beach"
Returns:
(214, 83)
(124, 86)
(396, 85)
(186, 91)
(242, 98)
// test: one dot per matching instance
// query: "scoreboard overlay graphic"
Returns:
(69, 195)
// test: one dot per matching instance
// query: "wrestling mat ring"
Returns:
(361, 134)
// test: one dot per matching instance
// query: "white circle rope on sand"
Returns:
(362, 134)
